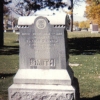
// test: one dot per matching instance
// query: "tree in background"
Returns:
(1, 24)
(6, 13)
(21, 8)
(84, 24)
(29, 7)
(76, 24)
(13, 21)
(93, 11)
(5, 10)
(2, 2)
(5, 21)
(9, 20)
(73, 3)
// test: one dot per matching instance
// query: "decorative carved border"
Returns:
(36, 95)
(41, 23)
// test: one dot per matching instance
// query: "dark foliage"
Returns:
(6, 1)
(9, 50)
(40, 4)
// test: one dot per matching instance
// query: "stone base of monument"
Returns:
(41, 92)
(40, 84)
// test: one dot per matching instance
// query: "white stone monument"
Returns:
(44, 72)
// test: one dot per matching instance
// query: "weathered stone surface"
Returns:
(42, 46)
(41, 92)
(44, 72)
(40, 76)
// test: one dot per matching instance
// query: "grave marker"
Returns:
(94, 28)
(44, 73)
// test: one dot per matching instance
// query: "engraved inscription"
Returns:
(41, 96)
(42, 62)
(25, 33)
(41, 23)
(45, 34)
(31, 41)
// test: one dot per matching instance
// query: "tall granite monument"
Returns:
(44, 73)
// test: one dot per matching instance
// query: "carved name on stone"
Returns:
(42, 62)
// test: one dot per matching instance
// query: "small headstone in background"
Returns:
(5, 31)
(13, 31)
(94, 28)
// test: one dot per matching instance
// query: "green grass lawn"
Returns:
(88, 73)
(9, 54)
(84, 49)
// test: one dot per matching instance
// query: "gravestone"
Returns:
(94, 28)
(44, 73)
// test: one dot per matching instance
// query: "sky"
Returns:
(78, 11)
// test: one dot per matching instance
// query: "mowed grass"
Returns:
(88, 74)
(9, 54)
(84, 49)
(8, 63)
(80, 34)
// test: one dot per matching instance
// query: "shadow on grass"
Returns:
(77, 46)
(6, 75)
(86, 46)
(94, 98)
(9, 50)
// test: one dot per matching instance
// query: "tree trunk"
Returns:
(1, 24)
(71, 23)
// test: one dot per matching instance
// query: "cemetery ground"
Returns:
(84, 58)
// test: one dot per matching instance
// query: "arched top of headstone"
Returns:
(54, 19)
